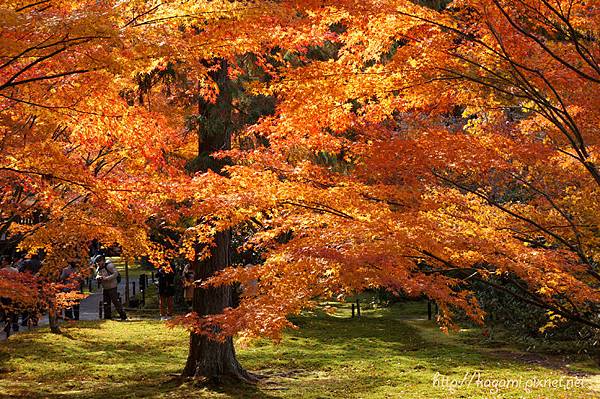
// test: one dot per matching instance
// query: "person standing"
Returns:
(188, 285)
(10, 315)
(31, 265)
(70, 275)
(107, 274)
(166, 292)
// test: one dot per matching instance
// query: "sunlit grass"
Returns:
(381, 355)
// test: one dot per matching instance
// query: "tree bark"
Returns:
(53, 319)
(208, 359)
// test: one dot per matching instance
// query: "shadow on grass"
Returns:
(419, 342)
(327, 355)
(173, 388)
(96, 360)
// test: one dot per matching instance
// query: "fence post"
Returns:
(357, 307)
(143, 286)
(352, 310)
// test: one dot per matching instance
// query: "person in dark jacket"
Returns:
(32, 265)
(188, 285)
(9, 314)
(70, 275)
(166, 292)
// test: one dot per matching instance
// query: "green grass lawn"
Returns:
(382, 355)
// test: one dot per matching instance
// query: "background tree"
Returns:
(209, 358)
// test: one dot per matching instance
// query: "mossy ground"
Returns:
(388, 353)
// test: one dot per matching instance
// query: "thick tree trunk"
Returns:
(214, 361)
(208, 359)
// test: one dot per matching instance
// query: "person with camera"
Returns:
(106, 275)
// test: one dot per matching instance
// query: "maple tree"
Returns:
(79, 159)
(448, 147)
(89, 152)
(79, 156)
(413, 148)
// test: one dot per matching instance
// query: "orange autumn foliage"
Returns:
(421, 151)
(430, 150)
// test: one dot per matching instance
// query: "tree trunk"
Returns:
(208, 359)
(53, 319)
